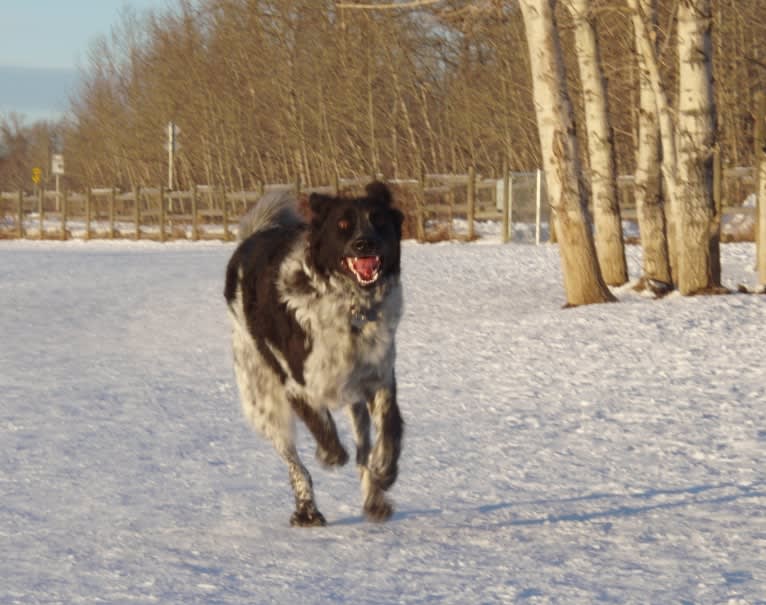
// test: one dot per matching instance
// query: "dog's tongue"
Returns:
(366, 266)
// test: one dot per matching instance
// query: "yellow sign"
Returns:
(37, 173)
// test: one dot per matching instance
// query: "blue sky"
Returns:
(57, 33)
(48, 39)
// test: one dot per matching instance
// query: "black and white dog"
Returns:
(314, 310)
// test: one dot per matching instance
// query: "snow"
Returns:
(610, 453)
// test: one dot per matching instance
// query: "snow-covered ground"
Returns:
(611, 453)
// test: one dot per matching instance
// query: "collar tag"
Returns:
(359, 318)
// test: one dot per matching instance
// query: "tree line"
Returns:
(271, 90)
(279, 90)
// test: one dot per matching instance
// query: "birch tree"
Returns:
(687, 149)
(696, 139)
(760, 190)
(583, 281)
(610, 244)
(648, 191)
(647, 52)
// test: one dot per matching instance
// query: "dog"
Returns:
(314, 307)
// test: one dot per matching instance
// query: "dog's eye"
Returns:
(344, 224)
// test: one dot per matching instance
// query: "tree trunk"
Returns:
(646, 48)
(610, 244)
(760, 191)
(583, 282)
(696, 138)
(655, 271)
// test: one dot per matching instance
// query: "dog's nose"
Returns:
(363, 246)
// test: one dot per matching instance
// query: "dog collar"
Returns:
(361, 317)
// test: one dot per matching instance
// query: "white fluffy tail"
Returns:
(273, 209)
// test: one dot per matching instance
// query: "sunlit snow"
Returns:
(610, 453)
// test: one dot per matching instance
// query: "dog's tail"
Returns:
(273, 209)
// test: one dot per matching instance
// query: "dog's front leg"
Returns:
(330, 451)
(382, 466)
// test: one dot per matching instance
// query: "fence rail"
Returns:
(205, 212)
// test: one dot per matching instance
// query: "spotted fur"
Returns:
(314, 309)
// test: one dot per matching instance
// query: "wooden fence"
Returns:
(212, 213)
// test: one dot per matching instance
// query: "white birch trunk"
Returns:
(645, 46)
(760, 235)
(696, 138)
(583, 282)
(610, 243)
(655, 270)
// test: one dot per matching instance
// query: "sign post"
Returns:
(37, 174)
(172, 147)
(57, 168)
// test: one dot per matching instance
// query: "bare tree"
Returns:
(655, 272)
(696, 140)
(583, 282)
(610, 245)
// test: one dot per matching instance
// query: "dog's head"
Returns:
(356, 236)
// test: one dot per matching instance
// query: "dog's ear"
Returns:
(379, 191)
(320, 203)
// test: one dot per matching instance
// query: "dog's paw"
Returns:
(378, 509)
(335, 457)
(383, 464)
(307, 516)
(384, 475)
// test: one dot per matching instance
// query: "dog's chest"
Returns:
(351, 339)
(352, 352)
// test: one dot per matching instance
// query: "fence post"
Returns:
(506, 202)
(41, 209)
(225, 212)
(88, 211)
(420, 206)
(112, 203)
(20, 221)
(471, 201)
(64, 213)
(137, 210)
(195, 223)
(162, 213)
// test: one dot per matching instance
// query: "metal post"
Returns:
(538, 205)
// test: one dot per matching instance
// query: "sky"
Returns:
(42, 42)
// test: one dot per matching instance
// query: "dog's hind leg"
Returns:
(330, 451)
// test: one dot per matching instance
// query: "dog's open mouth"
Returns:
(366, 269)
